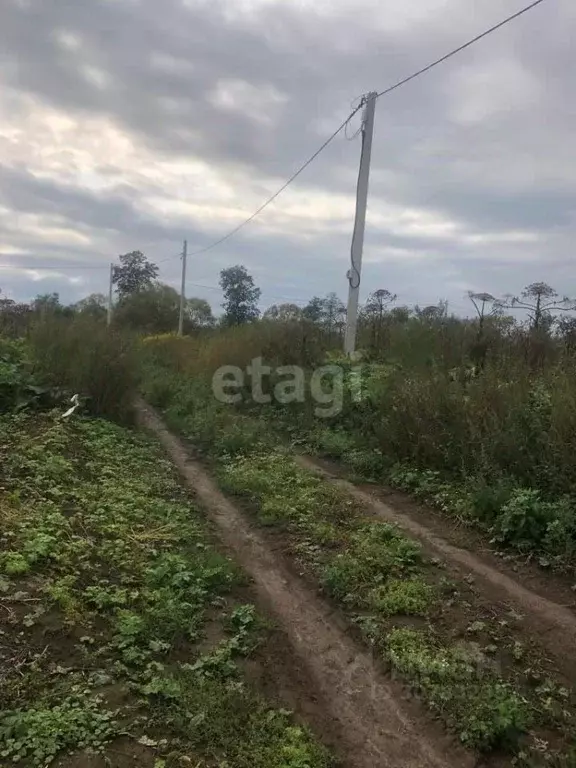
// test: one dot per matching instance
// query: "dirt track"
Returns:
(377, 725)
(552, 623)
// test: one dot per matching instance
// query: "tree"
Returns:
(283, 313)
(375, 309)
(14, 317)
(313, 310)
(241, 296)
(135, 274)
(433, 312)
(538, 299)
(45, 303)
(154, 309)
(94, 305)
(199, 313)
(567, 329)
(400, 315)
(333, 313)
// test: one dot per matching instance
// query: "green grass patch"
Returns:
(485, 711)
(121, 613)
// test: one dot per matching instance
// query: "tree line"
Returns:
(145, 304)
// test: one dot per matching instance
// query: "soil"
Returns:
(327, 677)
(122, 753)
(544, 604)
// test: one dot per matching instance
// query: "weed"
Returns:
(121, 562)
(485, 711)
(86, 357)
(39, 734)
(407, 597)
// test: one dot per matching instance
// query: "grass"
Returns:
(85, 357)
(431, 631)
(119, 620)
(371, 567)
(487, 711)
(509, 429)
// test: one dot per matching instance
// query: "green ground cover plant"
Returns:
(120, 624)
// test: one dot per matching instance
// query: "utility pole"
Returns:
(355, 273)
(110, 290)
(183, 289)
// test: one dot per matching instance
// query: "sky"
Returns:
(135, 124)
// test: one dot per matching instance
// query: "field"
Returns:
(256, 584)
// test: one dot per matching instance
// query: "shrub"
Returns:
(86, 357)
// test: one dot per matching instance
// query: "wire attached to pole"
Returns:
(353, 273)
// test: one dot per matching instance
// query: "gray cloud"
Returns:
(479, 151)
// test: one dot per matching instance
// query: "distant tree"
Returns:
(241, 296)
(567, 330)
(154, 309)
(199, 313)
(283, 313)
(135, 274)
(95, 305)
(539, 300)
(333, 313)
(14, 317)
(433, 312)
(400, 314)
(313, 310)
(374, 311)
(46, 303)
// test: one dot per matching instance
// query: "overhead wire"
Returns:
(266, 295)
(460, 48)
(273, 197)
(53, 267)
(69, 267)
(342, 126)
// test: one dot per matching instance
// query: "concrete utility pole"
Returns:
(183, 289)
(110, 292)
(355, 273)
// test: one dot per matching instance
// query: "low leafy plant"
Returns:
(485, 711)
(38, 734)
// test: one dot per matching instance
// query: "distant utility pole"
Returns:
(110, 291)
(355, 273)
(183, 289)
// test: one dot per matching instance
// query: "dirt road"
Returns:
(551, 622)
(377, 724)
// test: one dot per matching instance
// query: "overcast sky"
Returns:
(132, 124)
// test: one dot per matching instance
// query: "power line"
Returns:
(69, 267)
(386, 91)
(265, 295)
(53, 267)
(311, 159)
(461, 48)
(282, 188)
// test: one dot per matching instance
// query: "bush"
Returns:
(86, 357)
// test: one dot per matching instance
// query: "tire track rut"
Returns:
(377, 723)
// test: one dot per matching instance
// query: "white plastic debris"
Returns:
(75, 400)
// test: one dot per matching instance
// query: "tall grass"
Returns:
(202, 355)
(512, 419)
(85, 357)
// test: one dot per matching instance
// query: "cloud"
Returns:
(135, 124)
